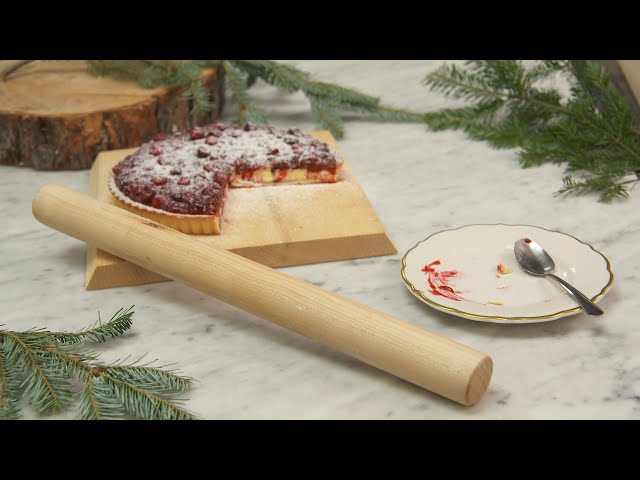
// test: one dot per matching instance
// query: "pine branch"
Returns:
(606, 186)
(593, 132)
(98, 332)
(291, 79)
(325, 116)
(185, 75)
(53, 368)
(153, 378)
(580, 70)
(237, 83)
(9, 385)
(389, 114)
(327, 100)
(145, 403)
(97, 402)
(48, 392)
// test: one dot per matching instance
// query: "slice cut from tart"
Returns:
(182, 180)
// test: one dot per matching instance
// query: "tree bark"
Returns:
(55, 116)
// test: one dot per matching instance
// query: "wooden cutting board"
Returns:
(277, 226)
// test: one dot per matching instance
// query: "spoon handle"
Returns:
(590, 308)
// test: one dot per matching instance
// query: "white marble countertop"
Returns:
(420, 182)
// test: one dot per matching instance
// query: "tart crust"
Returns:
(169, 171)
(192, 224)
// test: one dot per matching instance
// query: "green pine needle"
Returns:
(237, 82)
(9, 386)
(593, 132)
(98, 332)
(144, 402)
(97, 401)
(186, 75)
(153, 378)
(290, 79)
(55, 369)
(48, 391)
(324, 115)
(327, 100)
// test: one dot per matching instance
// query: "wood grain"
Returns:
(54, 115)
(276, 226)
(429, 360)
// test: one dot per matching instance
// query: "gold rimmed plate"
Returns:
(457, 271)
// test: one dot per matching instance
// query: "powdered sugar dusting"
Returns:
(189, 172)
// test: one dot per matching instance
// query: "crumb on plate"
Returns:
(504, 269)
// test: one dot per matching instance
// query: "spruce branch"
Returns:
(291, 79)
(324, 115)
(54, 369)
(184, 75)
(96, 401)
(9, 385)
(48, 391)
(153, 378)
(237, 82)
(327, 100)
(147, 403)
(593, 132)
(98, 332)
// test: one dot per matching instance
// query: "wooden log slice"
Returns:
(55, 116)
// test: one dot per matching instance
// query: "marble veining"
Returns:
(419, 182)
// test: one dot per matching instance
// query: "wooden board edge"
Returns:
(110, 276)
(325, 250)
(274, 256)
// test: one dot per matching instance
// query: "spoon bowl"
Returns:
(536, 261)
(533, 258)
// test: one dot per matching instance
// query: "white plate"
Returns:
(466, 281)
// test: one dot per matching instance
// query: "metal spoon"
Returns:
(536, 261)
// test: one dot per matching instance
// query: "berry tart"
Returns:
(181, 180)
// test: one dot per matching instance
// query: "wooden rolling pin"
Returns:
(429, 360)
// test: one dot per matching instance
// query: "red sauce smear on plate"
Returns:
(440, 282)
